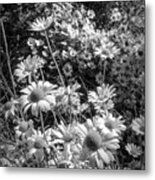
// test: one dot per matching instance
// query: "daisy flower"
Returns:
(133, 150)
(138, 125)
(102, 98)
(110, 124)
(41, 24)
(24, 129)
(38, 96)
(95, 144)
(64, 135)
(28, 67)
(10, 108)
(37, 144)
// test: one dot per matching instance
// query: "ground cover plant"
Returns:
(72, 85)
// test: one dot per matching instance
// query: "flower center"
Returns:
(7, 106)
(110, 125)
(93, 141)
(23, 126)
(67, 137)
(39, 143)
(36, 95)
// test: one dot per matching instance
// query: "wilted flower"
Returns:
(41, 24)
(133, 150)
(38, 96)
(28, 67)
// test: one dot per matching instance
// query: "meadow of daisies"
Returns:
(72, 85)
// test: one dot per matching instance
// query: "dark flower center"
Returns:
(39, 143)
(36, 95)
(110, 125)
(7, 106)
(67, 137)
(93, 141)
(23, 126)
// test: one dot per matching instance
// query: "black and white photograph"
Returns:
(72, 85)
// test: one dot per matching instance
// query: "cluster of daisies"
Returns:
(82, 133)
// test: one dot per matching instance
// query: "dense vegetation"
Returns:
(72, 85)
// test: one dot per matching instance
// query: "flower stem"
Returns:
(8, 57)
(55, 62)
(104, 70)
(42, 125)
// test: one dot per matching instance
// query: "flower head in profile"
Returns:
(41, 24)
(10, 108)
(138, 125)
(38, 96)
(95, 144)
(28, 67)
(133, 150)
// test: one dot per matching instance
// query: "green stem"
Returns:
(55, 62)
(8, 57)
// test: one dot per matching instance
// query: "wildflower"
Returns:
(138, 125)
(99, 78)
(133, 150)
(95, 144)
(68, 99)
(67, 69)
(38, 96)
(34, 42)
(102, 98)
(28, 67)
(116, 15)
(64, 134)
(41, 24)
(37, 144)
(106, 50)
(90, 14)
(24, 129)
(110, 124)
(10, 108)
